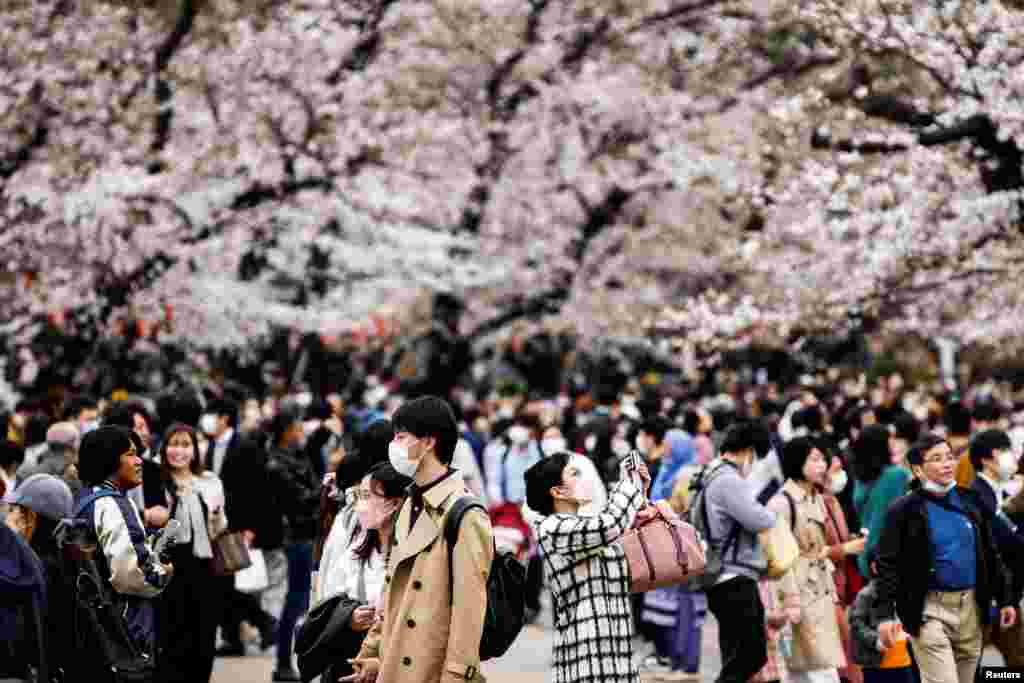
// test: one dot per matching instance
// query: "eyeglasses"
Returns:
(936, 459)
(362, 494)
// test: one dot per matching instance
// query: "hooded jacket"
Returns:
(22, 594)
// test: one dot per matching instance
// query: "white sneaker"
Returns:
(653, 664)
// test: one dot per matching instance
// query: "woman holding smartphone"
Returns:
(358, 571)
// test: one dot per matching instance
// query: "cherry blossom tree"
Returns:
(246, 164)
(907, 206)
(230, 166)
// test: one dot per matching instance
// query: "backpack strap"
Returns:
(734, 533)
(792, 510)
(89, 498)
(452, 520)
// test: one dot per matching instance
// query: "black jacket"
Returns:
(246, 485)
(294, 491)
(1009, 538)
(906, 560)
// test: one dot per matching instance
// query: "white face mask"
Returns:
(518, 434)
(590, 443)
(620, 447)
(90, 425)
(398, 456)
(553, 445)
(941, 489)
(1007, 466)
(839, 482)
(208, 423)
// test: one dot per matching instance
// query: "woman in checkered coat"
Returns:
(589, 575)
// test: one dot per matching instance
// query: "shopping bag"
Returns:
(253, 578)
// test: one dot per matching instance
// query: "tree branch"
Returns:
(188, 9)
(22, 155)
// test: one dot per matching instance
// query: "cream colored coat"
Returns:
(423, 638)
(809, 584)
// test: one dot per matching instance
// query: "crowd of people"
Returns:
(904, 503)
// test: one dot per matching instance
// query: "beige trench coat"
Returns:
(809, 584)
(422, 638)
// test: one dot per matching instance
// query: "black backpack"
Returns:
(98, 626)
(506, 587)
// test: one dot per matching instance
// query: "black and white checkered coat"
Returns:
(590, 586)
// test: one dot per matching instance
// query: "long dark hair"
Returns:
(165, 468)
(871, 453)
(391, 484)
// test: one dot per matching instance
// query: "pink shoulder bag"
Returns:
(661, 551)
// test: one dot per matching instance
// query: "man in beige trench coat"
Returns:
(425, 635)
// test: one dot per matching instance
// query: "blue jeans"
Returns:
(300, 568)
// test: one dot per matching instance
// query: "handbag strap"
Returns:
(792, 510)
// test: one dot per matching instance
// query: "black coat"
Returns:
(246, 485)
(906, 560)
(326, 641)
(1009, 538)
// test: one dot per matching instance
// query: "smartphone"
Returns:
(630, 464)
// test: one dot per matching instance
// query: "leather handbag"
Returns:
(662, 551)
(230, 554)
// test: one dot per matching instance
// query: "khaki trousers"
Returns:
(948, 647)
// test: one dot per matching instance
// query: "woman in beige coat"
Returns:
(808, 590)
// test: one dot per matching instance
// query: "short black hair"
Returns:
(928, 441)
(183, 405)
(541, 478)
(222, 407)
(871, 453)
(11, 454)
(906, 427)
(811, 417)
(657, 427)
(280, 424)
(77, 404)
(319, 410)
(855, 417)
(691, 421)
(35, 429)
(987, 411)
(99, 456)
(430, 416)
(741, 436)
(122, 414)
(985, 443)
(958, 420)
(795, 453)
(370, 450)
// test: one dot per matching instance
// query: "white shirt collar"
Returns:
(226, 437)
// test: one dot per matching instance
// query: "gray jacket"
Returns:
(865, 616)
(732, 504)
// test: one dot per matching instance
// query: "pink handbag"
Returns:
(662, 551)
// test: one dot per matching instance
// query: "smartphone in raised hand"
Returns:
(630, 466)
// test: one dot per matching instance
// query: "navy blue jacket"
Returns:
(1009, 537)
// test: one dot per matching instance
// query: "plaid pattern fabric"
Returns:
(590, 588)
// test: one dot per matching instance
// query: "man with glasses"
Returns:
(939, 569)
